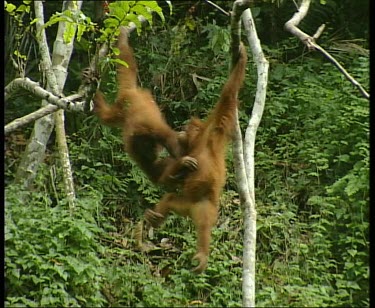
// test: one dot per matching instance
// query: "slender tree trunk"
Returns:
(244, 154)
(35, 151)
(60, 63)
(64, 157)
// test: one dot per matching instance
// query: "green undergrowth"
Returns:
(56, 256)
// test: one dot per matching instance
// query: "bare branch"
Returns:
(34, 87)
(309, 41)
(319, 32)
(67, 103)
(40, 113)
(218, 7)
(292, 24)
(342, 70)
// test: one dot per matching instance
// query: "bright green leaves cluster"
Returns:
(13, 9)
(18, 13)
(121, 13)
(72, 20)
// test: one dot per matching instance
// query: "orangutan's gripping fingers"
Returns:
(189, 162)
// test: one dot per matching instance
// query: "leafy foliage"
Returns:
(83, 23)
(58, 265)
(323, 164)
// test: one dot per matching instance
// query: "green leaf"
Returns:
(133, 18)
(153, 5)
(116, 51)
(23, 8)
(353, 285)
(9, 7)
(121, 62)
(141, 10)
(111, 23)
(53, 20)
(69, 32)
(34, 21)
(80, 30)
(344, 158)
(60, 270)
(255, 11)
(19, 55)
(352, 252)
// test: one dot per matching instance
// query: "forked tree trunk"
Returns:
(55, 72)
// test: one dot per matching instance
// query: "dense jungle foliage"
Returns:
(312, 174)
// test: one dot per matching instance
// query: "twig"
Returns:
(319, 32)
(218, 7)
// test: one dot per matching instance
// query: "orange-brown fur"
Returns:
(199, 196)
(145, 131)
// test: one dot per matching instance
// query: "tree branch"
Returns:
(34, 87)
(69, 103)
(309, 41)
(31, 117)
(61, 57)
(55, 102)
(218, 7)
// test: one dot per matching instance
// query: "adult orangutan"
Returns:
(200, 192)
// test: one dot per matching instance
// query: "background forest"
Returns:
(311, 159)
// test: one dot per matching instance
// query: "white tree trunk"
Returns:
(244, 155)
(64, 158)
(60, 59)
(256, 116)
(35, 150)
